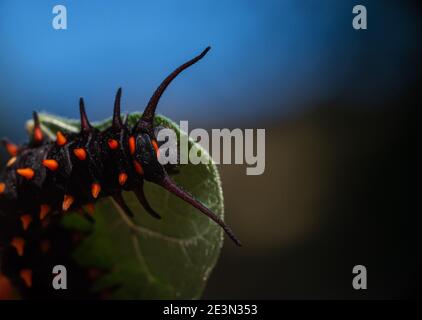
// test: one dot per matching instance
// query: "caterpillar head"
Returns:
(146, 146)
(146, 152)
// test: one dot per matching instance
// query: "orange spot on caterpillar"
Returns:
(26, 276)
(44, 211)
(26, 220)
(7, 291)
(132, 145)
(156, 148)
(122, 178)
(27, 173)
(107, 293)
(113, 144)
(45, 223)
(77, 237)
(18, 243)
(60, 139)
(11, 161)
(90, 208)
(11, 148)
(138, 167)
(95, 190)
(2, 187)
(80, 153)
(38, 136)
(51, 164)
(67, 202)
(94, 273)
(45, 246)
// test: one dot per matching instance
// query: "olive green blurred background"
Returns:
(334, 195)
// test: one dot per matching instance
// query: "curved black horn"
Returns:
(171, 186)
(147, 118)
(117, 120)
(85, 125)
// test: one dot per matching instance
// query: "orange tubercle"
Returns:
(18, 243)
(38, 136)
(27, 173)
(156, 148)
(113, 144)
(94, 273)
(138, 167)
(122, 178)
(44, 211)
(95, 190)
(45, 223)
(11, 161)
(45, 245)
(67, 202)
(132, 145)
(90, 208)
(60, 139)
(12, 149)
(80, 153)
(7, 291)
(26, 276)
(51, 164)
(2, 187)
(26, 220)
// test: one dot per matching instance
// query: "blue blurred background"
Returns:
(269, 59)
(334, 102)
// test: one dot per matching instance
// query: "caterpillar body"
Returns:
(45, 177)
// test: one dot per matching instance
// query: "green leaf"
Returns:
(164, 259)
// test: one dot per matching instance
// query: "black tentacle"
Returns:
(85, 125)
(87, 216)
(140, 194)
(117, 120)
(171, 186)
(146, 121)
(122, 204)
(37, 134)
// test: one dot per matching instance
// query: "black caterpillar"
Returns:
(45, 177)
